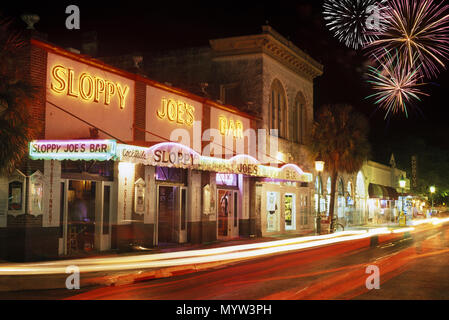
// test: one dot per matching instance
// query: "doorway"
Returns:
(227, 215)
(172, 210)
(81, 216)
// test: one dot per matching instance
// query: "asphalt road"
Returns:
(410, 268)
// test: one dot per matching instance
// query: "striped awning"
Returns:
(382, 192)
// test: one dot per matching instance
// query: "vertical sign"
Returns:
(414, 172)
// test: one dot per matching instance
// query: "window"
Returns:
(15, 195)
(298, 120)
(290, 211)
(230, 93)
(278, 109)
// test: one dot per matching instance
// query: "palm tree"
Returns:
(16, 94)
(339, 137)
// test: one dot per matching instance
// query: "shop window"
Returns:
(272, 211)
(290, 211)
(15, 196)
(36, 193)
(139, 196)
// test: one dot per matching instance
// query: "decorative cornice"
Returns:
(274, 45)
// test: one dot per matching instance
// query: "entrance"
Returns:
(227, 216)
(81, 216)
(172, 220)
(85, 215)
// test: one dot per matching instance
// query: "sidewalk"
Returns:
(181, 247)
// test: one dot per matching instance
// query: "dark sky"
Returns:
(129, 26)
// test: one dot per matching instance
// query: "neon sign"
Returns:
(167, 154)
(86, 87)
(230, 127)
(102, 150)
(176, 111)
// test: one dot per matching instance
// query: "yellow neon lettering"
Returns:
(122, 95)
(99, 88)
(190, 117)
(239, 129)
(60, 81)
(222, 125)
(172, 110)
(181, 105)
(110, 90)
(71, 91)
(162, 113)
(231, 128)
(90, 92)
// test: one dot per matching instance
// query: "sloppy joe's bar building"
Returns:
(125, 161)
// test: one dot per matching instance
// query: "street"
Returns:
(410, 268)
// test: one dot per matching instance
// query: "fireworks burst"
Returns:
(355, 22)
(415, 28)
(397, 84)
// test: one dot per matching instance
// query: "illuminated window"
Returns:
(298, 120)
(15, 195)
(278, 109)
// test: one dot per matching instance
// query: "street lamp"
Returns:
(319, 167)
(432, 191)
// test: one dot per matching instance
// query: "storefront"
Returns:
(382, 204)
(128, 163)
(285, 207)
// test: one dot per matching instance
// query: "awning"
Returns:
(382, 192)
(392, 193)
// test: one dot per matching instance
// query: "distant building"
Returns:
(371, 196)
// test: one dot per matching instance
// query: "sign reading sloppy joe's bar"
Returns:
(72, 150)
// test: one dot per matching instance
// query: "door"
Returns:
(105, 228)
(227, 215)
(166, 214)
(183, 216)
(172, 214)
(81, 205)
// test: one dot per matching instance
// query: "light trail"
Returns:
(193, 257)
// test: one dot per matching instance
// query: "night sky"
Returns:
(133, 26)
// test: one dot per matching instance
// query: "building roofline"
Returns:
(49, 47)
(272, 43)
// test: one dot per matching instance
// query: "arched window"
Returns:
(319, 192)
(349, 190)
(360, 199)
(328, 193)
(341, 198)
(278, 109)
(298, 119)
(329, 185)
(360, 186)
